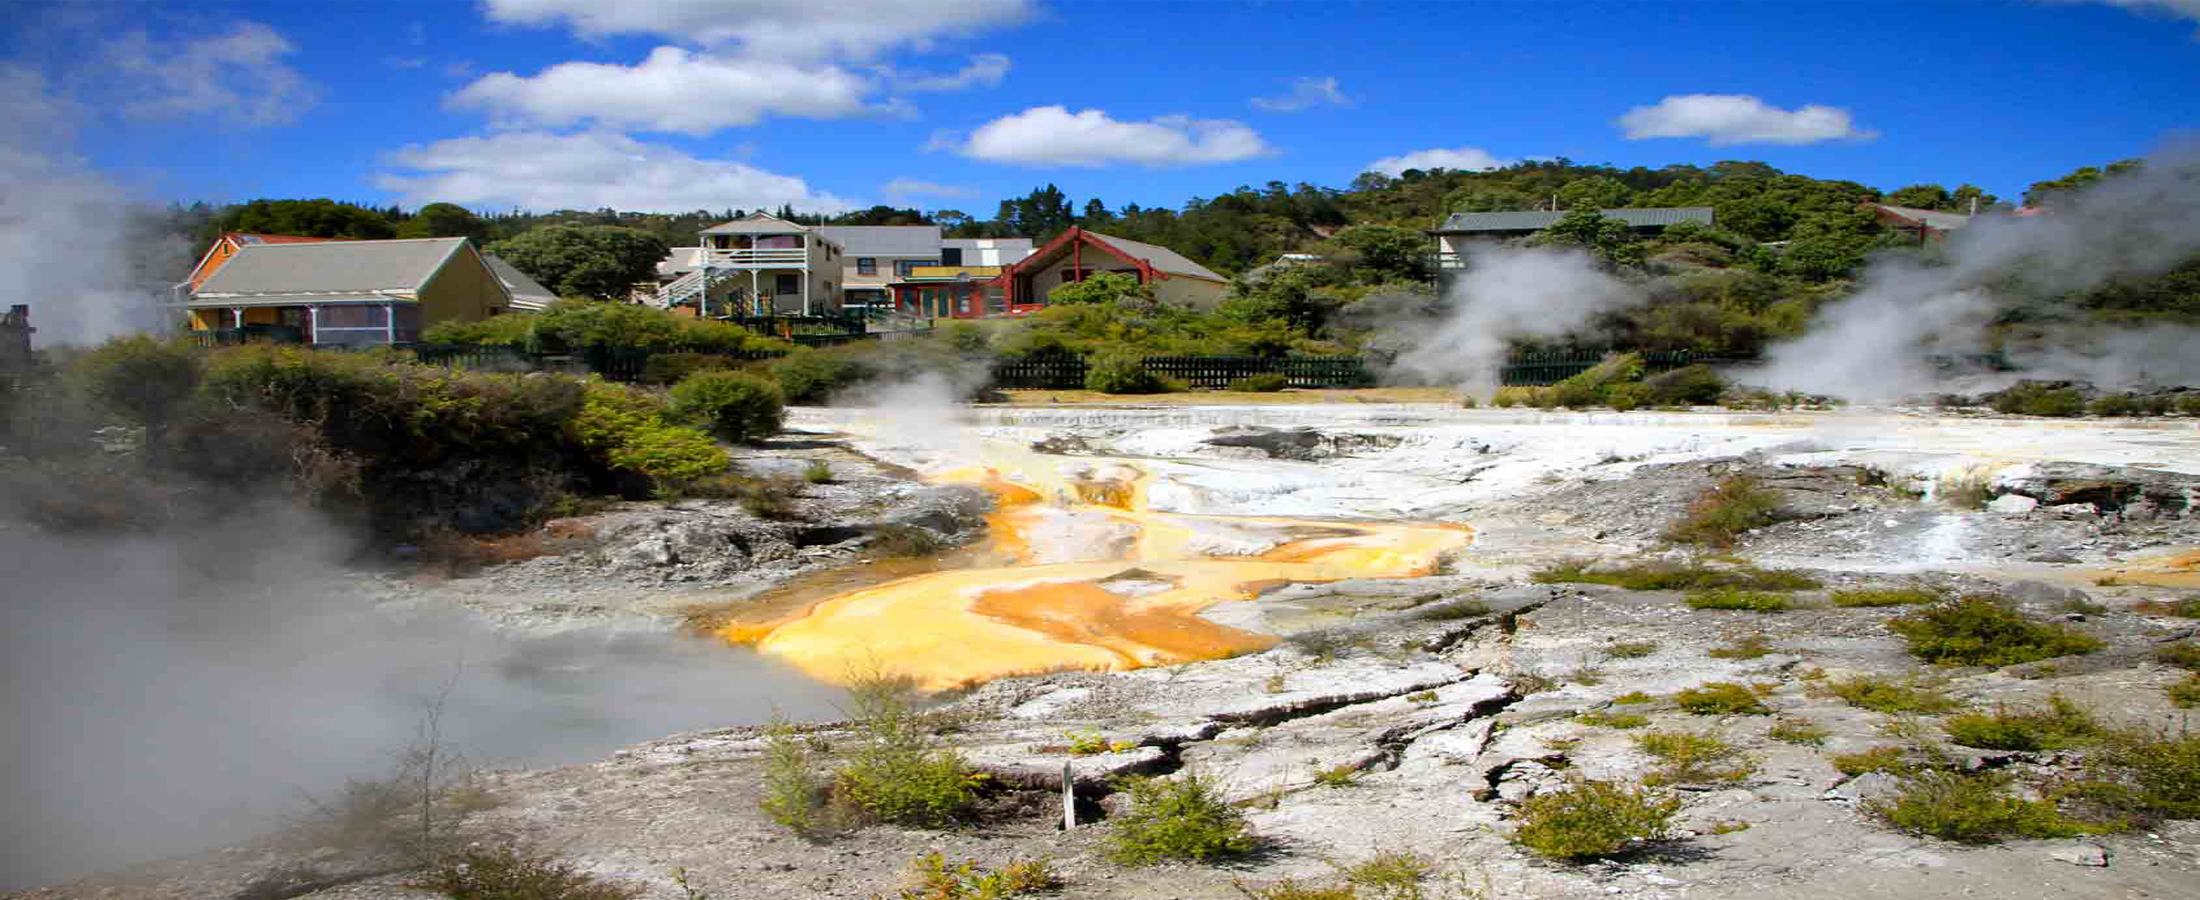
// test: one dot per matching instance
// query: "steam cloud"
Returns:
(57, 221)
(164, 695)
(1507, 294)
(1874, 345)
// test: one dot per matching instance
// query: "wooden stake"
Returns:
(1069, 800)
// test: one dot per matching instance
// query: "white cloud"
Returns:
(2183, 9)
(673, 90)
(1470, 159)
(902, 190)
(238, 75)
(1054, 136)
(588, 170)
(1724, 119)
(858, 29)
(985, 68)
(1305, 93)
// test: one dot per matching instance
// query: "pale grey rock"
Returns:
(2013, 504)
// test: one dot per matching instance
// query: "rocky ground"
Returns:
(1409, 715)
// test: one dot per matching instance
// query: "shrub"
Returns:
(2184, 694)
(1630, 649)
(1718, 698)
(2158, 772)
(818, 472)
(1722, 513)
(1692, 758)
(140, 377)
(1391, 874)
(2114, 405)
(1881, 695)
(1624, 397)
(1183, 817)
(1748, 646)
(2059, 725)
(1795, 731)
(1972, 809)
(1891, 760)
(2182, 654)
(1124, 373)
(1696, 385)
(673, 368)
(810, 377)
(2032, 398)
(794, 790)
(1885, 597)
(1263, 383)
(1982, 631)
(1665, 576)
(1621, 721)
(1593, 818)
(1631, 698)
(1733, 598)
(2189, 403)
(938, 879)
(2183, 609)
(1591, 387)
(672, 457)
(1341, 775)
(735, 406)
(511, 873)
(896, 771)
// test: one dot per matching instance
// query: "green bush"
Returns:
(1885, 597)
(1179, 818)
(673, 368)
(1590, 388)
(1124, 373)
(140, 377)
(1666, 576)
(735, 406)
(671, 456)
(2189, 403)
(818, 472)
(811, 377)
(2032, 398)
(1697, 385)
(1881, 695)
(897, 772)
(2184, 694)
(794, 791)
(1263, 383)
(1719, 698)
(2158, 772)
(1982, 631)
(1593, 818)
(1692, 758)
(1891, 760)
(511, 873)
(1625, 397)
(2060, 725)
(1723, 512)
(2114, 405)
(1796, 731)
(938, 879)
(1630, 649)
(2182, 654)
(1972, 809)
(1733, 598)
(1748, 646)
(1621, 721)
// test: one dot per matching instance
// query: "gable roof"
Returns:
(230, 242)
(1161, 258)
(527, 293)
(333, 270)
(884, 240)
(1537, 220)
(756, 223)
(1938, 221)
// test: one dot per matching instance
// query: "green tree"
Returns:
(1589, 229)
(1598, 192)
(307, 218)
(141, 377)
(1920, 196)
(1103, 287)
(1388, 253)
(2049, 193)
(445, 220)
(599, 261)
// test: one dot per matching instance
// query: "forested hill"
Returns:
(1230, 232)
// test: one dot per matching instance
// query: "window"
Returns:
(867, 265)
(951, 256)
(787, 283)
(964, 303)
(902, 267)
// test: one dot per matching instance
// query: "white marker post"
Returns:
(1069, 800)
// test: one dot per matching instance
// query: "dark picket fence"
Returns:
(1050, 374)
(1212, 372)
(1542, 369)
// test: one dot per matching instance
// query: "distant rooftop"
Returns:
(1537, 220)
(1938, 221)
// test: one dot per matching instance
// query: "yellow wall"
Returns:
(464, 291)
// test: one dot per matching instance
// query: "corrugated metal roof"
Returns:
(991, 251)
(249, 238)
(907, 241)
(1537, 220)
(1161, 258)
(336, 267)
(756, 223)
(1939, 220)
(526, 292)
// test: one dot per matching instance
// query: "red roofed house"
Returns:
(1924, 223)
(1078, 254)
(230, 243)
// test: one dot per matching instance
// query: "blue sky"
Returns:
(540, 104)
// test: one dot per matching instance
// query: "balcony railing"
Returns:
(1447, 260)
(777, 258)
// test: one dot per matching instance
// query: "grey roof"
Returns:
(991, 251)
(1161, 258)
(334, 269)
(756, 223)
(884, 240)
(1940, 220)
(680, 260)
(1537, 220)
(526, 292)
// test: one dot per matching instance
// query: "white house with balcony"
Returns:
(757, 265)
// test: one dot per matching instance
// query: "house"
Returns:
(1924, 223)
(230, 244)
(880, 256)
(352, 293)
(528, 295)
(950, 292)
(1462, 229)
(756, 265)
(1078, 254)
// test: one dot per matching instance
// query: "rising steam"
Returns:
(1876, 345)
(1508, 294)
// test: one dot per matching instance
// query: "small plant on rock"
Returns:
(1722, 513)
(1720, 698)
(2154, 773)
(1732, 598)
(2184, 694)
(1748, 646)
(1969, 808)
(1891, 760)
(2059, 725)
(1264, 383)
(1391, 875)
(1630, 649)
(1622, 721)
(2182, 654)
(935, 878)
(1885, 597)
(1894, 698)
(1593, 818)
(794, 788)
(818, 472)
(1797, 731)
(1341, 775)
(1692, 758)
(1178, 818)
(1983, 631)
(896, 771)
(513, 873)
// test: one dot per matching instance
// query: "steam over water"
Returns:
(166, 696)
